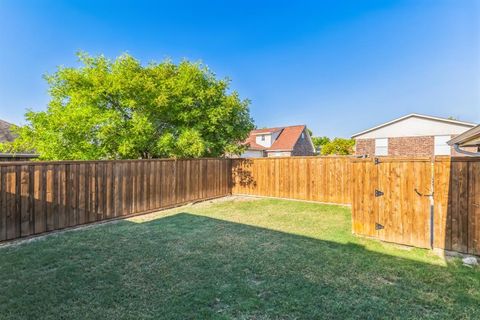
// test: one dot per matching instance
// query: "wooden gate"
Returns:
(391, 200)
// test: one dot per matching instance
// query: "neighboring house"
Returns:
(7, 136)
(410, 135)
(279, 142)
(467, 143)
(5, 133)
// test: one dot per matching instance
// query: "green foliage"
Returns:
(121, 109)
(318, 142)
(338, 146)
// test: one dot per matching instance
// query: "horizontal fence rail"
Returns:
(37, 197)
(324, 179)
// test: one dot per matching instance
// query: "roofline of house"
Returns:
(266, 132)
(466, 139)
(276, 150)
(464, 123)
(18, 155)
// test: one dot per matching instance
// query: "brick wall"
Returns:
(411, 146)
(364, 146)
(400, 146)
(405, 146)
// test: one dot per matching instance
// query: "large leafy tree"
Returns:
(122, 109)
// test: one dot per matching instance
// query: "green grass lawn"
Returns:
(257, 259)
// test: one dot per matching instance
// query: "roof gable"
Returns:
(287, 139)
(415, 125)
(5, 133)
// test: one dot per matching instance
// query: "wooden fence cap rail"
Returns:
(381, 159)
(456, 159)
(297, 157)
(61, 162)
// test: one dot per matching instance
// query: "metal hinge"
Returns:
(377, 161)
(378, 193)
(378, 226)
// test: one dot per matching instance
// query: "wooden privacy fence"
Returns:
(325, 179)
(37, 197)
(421, 202)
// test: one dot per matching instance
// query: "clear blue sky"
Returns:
(337, 66)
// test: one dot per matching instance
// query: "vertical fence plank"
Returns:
(3, 203)
(82, 192)
(10, 202)
(63, 196)
(474, 208)
(109, 191)
(24, 201)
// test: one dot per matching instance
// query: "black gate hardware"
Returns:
(378, 193)
(377, 161)
(378, 226)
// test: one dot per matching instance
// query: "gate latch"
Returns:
(378, 226)
(378, 193)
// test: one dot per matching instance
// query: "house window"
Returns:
(441, 146)
(381, 147)
(262, 138)
(303, 135)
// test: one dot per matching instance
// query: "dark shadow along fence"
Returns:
(457, 204)
(38, 197)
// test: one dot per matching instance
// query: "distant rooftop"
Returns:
(5, 133)
(416, 115)
(286, 140)
(18, 155)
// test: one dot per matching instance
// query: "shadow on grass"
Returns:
(187, 266)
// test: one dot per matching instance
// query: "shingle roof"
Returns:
(5, 133)
(286, 140)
